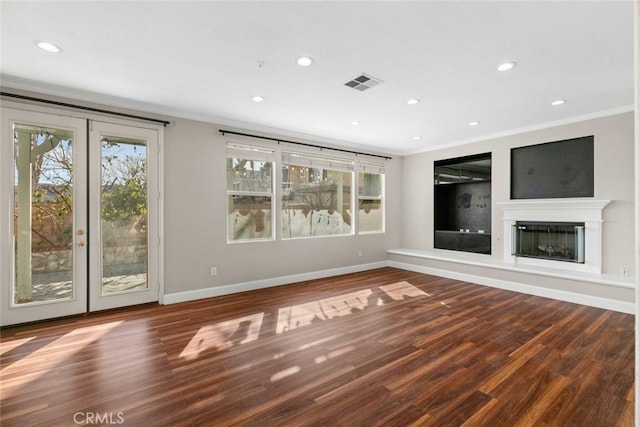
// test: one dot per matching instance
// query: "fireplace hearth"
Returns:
(558, 241)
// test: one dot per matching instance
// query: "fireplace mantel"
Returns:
(588, 211)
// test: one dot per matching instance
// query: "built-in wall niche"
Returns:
(462, 204)
(559, 169)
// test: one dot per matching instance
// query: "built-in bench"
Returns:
(599, 290)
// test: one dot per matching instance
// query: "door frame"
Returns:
(77, 303)
(6, 195)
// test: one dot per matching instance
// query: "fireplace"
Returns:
(558, 241)
(554, 233)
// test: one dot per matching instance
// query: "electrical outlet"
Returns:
(214, 271)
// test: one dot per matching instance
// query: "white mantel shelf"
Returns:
(555, 208)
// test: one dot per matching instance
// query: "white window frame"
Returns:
(307, 160)
(258, 153)
(378, 169)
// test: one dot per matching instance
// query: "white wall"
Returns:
(614, 180)
(195, 221)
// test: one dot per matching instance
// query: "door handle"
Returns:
(80, 243)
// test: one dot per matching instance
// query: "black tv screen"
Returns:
(553, 169)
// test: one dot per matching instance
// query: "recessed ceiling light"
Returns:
(417, 137)
(413, 101)
(558, 102)
(507, 66)
(48, 46)
(305, 61)
(355, 123)
(257, 98)
(474, 123)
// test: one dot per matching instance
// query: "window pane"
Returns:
(250, 189)
(315, 202)
(249, 218)
(370, 184)
(370, 203)
(249, 175)
(370, 216)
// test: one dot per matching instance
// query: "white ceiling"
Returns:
(205, 60)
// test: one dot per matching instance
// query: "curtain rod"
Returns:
(279, 140)
(81, 107)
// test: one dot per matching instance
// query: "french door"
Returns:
(78, 215)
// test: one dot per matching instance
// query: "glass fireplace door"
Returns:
(559, 241)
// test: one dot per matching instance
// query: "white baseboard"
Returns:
(266, 283)
(609, 304)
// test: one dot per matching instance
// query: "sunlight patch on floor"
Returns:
(8, 346)
(297, 316)
(228, 334)
(398, 291)
(48, 357)
(334, 353)
(285, 373)
(223, 335)
(316, 342)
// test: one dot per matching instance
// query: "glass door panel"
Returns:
(124, 209)
(43, 210)
(44, 272)
(124, 215)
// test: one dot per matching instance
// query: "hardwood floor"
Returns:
(384, 347)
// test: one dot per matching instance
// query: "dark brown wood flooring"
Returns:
(384, 347)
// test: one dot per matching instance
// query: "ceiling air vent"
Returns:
(363, 82)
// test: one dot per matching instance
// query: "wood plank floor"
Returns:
(384, 347)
